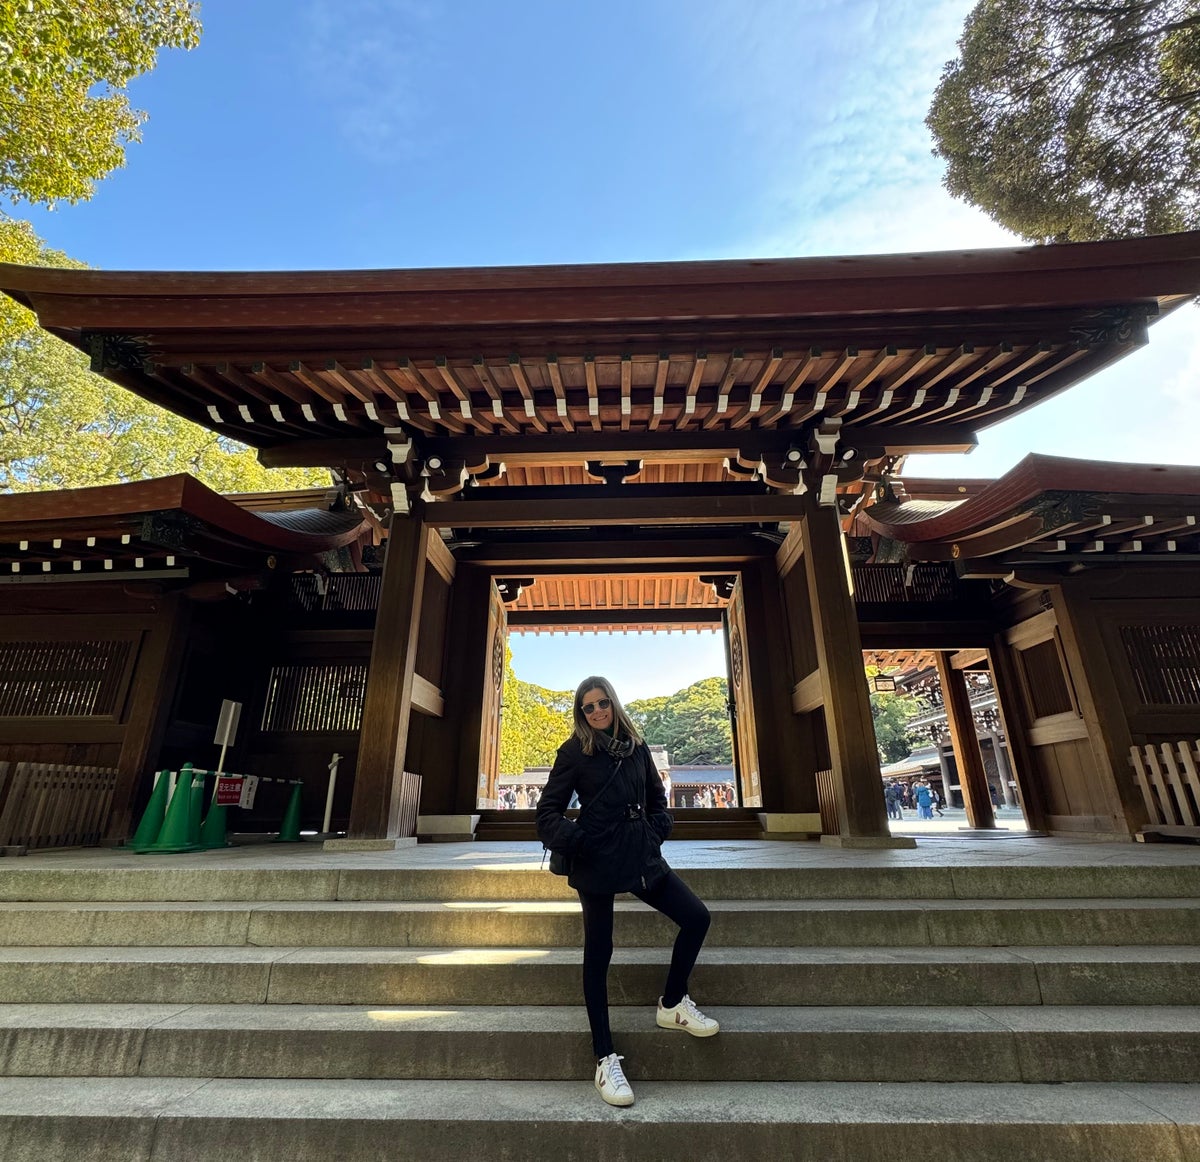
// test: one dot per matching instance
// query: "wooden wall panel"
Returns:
(431, 640)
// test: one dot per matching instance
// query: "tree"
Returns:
(1070, 121)
(65, 118)
(63, 427)
(890, 713)
(693, 723)
(534, 723)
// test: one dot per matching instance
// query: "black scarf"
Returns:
(617, 748)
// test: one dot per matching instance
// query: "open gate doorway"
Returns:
(648, 612)
(944, 708)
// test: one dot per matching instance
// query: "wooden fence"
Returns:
(827, 798)
(45, 805)
(410, 801)
(1168, 775)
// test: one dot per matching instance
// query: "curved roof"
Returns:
(904, 344)
(1053, 504)
(156, 524)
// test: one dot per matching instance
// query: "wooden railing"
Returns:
(44, 805)
(1168, 775)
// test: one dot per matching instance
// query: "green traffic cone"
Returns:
(212, 834)
(289, 829)
(197, 804)
(176, 832)
(152, 818)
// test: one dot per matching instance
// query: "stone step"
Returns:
(1037, 1044)
(556, 924)
(200, 1119)
(1140, 975)
(521, 879)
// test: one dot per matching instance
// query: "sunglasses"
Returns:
(602, 704)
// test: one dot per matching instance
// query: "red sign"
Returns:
(229, 790)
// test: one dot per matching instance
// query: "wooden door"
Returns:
(745, 737)
(493, 689)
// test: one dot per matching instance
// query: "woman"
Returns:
(616, 847)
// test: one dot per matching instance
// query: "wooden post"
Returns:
(972, 778)
(387, 703)
(150, 699)
(1015, 720)
(1003, 770)
(786, 752)
(466, 675)
(861, 811)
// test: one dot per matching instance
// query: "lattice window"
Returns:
(1165, 660)
(61, 679)
(1045, 681)
(322, 696)
(336, 592)
(888, 584)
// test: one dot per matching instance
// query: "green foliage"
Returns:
(64, 66)
(693, 723)
(891, 713)
(1071, 121)
(63, 427)
(534, 724)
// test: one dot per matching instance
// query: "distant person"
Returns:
(937, 802)
(924, 797)
(997, 801)
(892, 796)
(616, 847)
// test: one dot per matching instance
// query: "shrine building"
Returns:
(638, 446)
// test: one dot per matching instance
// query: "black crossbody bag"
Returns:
(560, 862)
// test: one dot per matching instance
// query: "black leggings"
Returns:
(675, 900)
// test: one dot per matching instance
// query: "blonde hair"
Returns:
(584, 731)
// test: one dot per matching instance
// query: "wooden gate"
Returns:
(745, 736)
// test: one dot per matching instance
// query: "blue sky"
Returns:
(307, 134)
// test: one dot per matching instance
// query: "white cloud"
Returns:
(359, 55)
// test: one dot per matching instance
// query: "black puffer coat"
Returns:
(609, 851)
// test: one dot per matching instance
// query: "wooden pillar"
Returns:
(1015, 721)
(1003, 769)
(854, 755)
(787, 773)
(972, 777)
(467, 644)
(160, 656)
(387, 703)
(944, 766)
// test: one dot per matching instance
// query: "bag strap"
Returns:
(600, 794)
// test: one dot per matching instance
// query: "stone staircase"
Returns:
(965, 1013)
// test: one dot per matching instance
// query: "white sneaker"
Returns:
(686, 1017)
(611, 1083)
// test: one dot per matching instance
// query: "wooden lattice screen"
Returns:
(315, 697)
(905, 584)
(45, 805)
(1168, 775)
(1165, 660)
(42, 679)
(344, 592)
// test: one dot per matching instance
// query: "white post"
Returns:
(333, 769)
